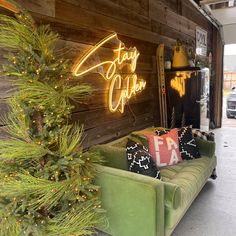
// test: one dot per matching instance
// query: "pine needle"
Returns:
(46, 178)
(42, 192)
(77, 92)
(9, 224)
(70, 140)
(79, 221)
(17, 124)
(19, 150)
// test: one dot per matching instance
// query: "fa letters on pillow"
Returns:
(171, 145)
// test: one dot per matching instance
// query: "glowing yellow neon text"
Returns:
(127, 86)
(178, 83)
(132, 87)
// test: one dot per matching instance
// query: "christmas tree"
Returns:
(46, 180)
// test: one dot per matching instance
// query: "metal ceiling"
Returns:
(223, 12)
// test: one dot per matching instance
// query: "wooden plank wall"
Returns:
(140, 23)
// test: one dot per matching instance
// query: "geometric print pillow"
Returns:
(161, 131)
(210, 136)
(140, 161)
(187, 144)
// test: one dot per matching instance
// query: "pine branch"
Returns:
(19, 150)
(43, 193)
(77, 92)
(46, 178)
(9, 224)
(70, 140)
(80, 220)
(16, 34)
(45, 40)
(18, 124)
(40, 94)
(21, 34)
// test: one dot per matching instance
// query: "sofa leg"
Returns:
(213, 175)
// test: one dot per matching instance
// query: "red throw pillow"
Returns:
(165, 148)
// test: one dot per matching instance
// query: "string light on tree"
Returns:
(37, 177)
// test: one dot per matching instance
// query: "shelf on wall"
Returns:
(183, 69)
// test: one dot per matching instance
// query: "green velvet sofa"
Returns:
(139, 205)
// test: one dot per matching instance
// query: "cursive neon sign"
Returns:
(9, 6)
(179, 82)
(128, 85)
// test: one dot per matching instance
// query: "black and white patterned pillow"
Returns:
(210, 136)
(140, 160)
(187, 145)
(160, 132)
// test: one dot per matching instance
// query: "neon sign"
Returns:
(128, 85)
(179, 81)
(9, 6)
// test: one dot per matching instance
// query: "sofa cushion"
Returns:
(190, 176)
(164, 149)
(140, 161)
(206, 148)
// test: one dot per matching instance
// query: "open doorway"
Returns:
(229, 86)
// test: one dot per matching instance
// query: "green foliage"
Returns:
(75, 221)
(18, 150)
(18, 123)
(48, 193)
(21, 34)
(9, 224)
(69, 138)
(46, 179)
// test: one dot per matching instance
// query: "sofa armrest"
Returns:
(134, 203)
(206, 148)
(172, 195)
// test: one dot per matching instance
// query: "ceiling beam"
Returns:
(210, 2)
(207, 14)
